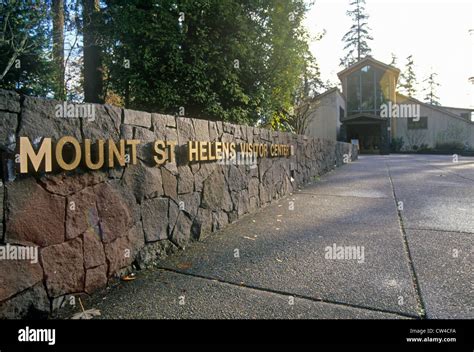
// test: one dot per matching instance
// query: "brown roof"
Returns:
(365, 61)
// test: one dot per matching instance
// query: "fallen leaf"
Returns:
(87, 314)
(130, 277)
(184, 266)
(249, 238)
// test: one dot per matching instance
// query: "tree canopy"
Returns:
(357, 38)
(408, 78)
(431, 85)
(240, 61)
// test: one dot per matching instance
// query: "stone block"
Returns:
(215, 195)
(170, 184)
(9, 101)
(17, 276)
(201, 129)
(105, 125)
(155, 219)
(137, 118)
(121, 252)
(145, 182)
(182, 231)
(185, 180)
(64, 267)
(38, 119)
(114, 214)
(94, 254)
(34, 216)
(8, 125)
(96, 278)
(81, 213)
(32, 303)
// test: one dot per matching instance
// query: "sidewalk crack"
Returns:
(416, 284)
(288, 294)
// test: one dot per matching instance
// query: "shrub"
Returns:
(397, 144)
(449, 146)
(424, 148)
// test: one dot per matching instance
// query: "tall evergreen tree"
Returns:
(408, 78)
(356, 39)
(24, 47)
(93, 69)
(394, 60)
(58, 48)
(214, 59)
(430, 89)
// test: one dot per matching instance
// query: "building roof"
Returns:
(434, 107)
(365, 61)
(329, 91)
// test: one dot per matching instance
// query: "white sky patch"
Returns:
(436, 33)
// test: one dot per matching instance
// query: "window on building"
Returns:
(341, 113)
(422, 124)
(367, 89)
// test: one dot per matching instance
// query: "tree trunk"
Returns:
(93, 74)
(58, 48)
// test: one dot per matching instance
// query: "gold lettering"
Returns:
(113, 151)
(193, 151)
(133, 143)
(203, 152)
(232, 150)
(27, 153)
(160, 156)
(59, 153)
(211, 149)
(171, 147)
(218, 146)
(88, 158)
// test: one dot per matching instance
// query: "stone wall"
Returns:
(90, 227)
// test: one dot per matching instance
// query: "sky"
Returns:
(435, 32)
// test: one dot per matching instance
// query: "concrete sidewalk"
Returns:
(410, 217)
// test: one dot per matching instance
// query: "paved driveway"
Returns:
(382, 237)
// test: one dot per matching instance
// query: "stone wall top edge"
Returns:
(18, 96)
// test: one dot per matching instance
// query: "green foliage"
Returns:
(425, 148)
(397, 144)
(25, 46)
(241, 61)
(449, 146)
(356, 39)
(219, 59)
(430, 90)
(408, 78)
